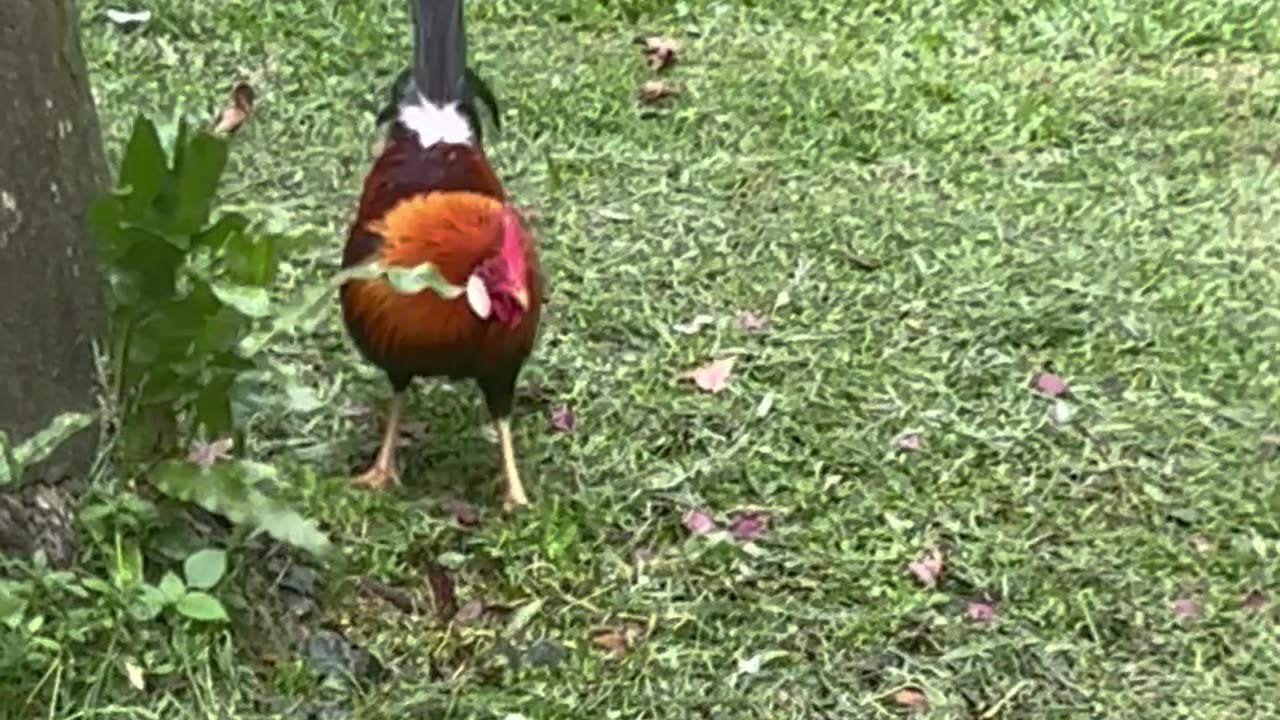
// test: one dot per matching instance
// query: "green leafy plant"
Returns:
(187, 595)
(190, 313)
(14, 459)
(185, 288)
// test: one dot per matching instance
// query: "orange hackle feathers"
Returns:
(425, 334)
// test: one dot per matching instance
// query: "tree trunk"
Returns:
(51, 296)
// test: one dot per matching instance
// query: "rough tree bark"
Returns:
(51, 301)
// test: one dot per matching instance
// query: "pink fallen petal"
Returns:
(1049, 384)
(714, 376)
(698, 522)
(911, 700)
(980, 611)
(749, 526)
(208, 454)
(1185, 607)
(908, 442)
(563, 419)
(752, 322)
(928, 568)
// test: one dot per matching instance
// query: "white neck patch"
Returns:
(436, 124)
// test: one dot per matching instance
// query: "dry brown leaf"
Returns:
(659, 52)
(471, 611)
(653, 91)
(616, 641)
(239, 108)
(442, 592)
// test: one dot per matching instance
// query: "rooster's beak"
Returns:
(522, 298)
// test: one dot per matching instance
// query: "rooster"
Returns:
(432, 196)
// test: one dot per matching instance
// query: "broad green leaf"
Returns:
(410, 281)
(199, 167)
(42, 444)
(151, 601)
(172, 588)
(143, 167)
(229, 489)
(205, 568)
(128, 567)
(364, 271)
(301, 315)
(10, 468)
(12, 604)
(215, 236)
(249, 258)
(104, 218)
(201, 606)
(288, 526)
(251, 301)
(149, 264)
(407, 281)
(213, 407)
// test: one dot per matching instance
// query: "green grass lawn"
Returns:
(928, 202)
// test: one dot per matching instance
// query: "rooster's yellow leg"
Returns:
(513, 490)
(383, 471)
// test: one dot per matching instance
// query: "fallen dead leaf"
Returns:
(471, 611)
(463, 512)
(239, 108)
(714, 376)
(911, 699)
(616, 641)
(659, 52)
(698, 522)
(928, 568)
(752, 321)
(980, 611)
(1253, 601)
(694, 325)
(908, 442)
(1185, 607)
(562, 419)
(749, 526)
(1046, 383)
(653, 91)
(1203, 545)
(442, 592)
(208, 454)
